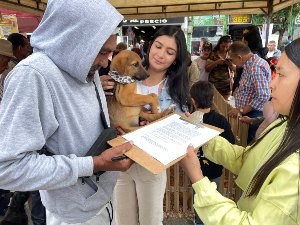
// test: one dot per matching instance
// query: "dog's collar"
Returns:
(121, 79)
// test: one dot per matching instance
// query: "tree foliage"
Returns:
(281, 20)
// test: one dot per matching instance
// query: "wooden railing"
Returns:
(178, 197)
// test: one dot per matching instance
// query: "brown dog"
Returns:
(125, 106)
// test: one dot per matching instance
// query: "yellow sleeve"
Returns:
(275, 204)
(220, 151)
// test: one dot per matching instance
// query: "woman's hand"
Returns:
(107, 84)
(191, 165)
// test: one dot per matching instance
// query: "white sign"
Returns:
(168, 139)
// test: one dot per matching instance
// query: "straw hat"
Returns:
(6, 48)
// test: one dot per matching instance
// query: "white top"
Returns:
(270, 54)
(145, 90)
(201, 66)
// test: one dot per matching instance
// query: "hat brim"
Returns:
(7, 54)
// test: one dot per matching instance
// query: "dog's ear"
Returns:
(121, 61)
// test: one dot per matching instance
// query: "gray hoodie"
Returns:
(47, 101)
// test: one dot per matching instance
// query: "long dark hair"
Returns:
(255, 42)
(223, 39)
(177, 81)
(291, 141)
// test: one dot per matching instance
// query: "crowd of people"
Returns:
(50, 92)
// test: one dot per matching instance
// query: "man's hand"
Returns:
(191, 165)
(107, 84)
(103, 162)
(233, 112)
(246, 119)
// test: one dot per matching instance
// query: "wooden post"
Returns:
(269, 16)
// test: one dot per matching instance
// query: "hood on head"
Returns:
(72, 33)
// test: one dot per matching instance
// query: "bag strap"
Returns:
(102, 115)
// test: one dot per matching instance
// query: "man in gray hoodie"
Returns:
(50, 100)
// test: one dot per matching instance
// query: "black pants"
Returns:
(38, 211)
(4, 201)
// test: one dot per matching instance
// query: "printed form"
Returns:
(168, 139)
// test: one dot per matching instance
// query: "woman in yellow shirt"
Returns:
(268, 171)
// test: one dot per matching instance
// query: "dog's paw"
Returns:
(169, 110)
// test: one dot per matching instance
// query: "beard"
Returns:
(92, 71)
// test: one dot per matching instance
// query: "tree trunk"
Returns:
(281, 32)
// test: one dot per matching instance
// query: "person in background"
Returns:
(202, 41)
(21, 50)
(273, 51)
(252, 38)
(52, 100)
(202, 60)
(6, 54)
(268, 171)
(142, 42)
(221, 70)
(137, 51)
(202, 94)
(253, 91)
(289, 40)
(130, 47)
(193, 71)
(139, 194)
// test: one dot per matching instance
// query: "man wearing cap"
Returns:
(53, 99)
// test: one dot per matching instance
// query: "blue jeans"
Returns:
(252, 129)
(38, 211)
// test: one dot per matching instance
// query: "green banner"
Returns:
(214, 20)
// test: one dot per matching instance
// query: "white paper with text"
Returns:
(168, 139)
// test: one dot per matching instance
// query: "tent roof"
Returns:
(167, 8)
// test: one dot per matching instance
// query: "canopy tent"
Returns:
(167, 8)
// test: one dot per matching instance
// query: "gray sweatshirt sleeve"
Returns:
(27, 120)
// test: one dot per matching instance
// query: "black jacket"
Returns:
(210, 169)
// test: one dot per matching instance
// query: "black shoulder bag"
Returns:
(100, 144)
(107, 134)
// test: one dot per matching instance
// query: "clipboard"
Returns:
(146, 160)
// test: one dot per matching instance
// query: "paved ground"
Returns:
(167, 221)
(28, 213)
(178, 221)
(173, 221)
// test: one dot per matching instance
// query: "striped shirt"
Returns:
(254, 84)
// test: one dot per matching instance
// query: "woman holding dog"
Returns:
(139, 193)
(268, 171)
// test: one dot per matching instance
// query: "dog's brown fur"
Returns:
(125, 106)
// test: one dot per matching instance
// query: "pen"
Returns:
(118, 158)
